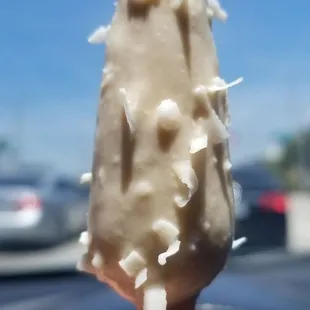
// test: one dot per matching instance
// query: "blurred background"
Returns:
(50, 79)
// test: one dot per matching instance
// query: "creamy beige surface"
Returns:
(158, 136)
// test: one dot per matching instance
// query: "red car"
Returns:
(261, 211)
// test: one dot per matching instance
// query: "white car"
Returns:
(40, 208)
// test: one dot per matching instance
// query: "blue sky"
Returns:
(50, 75)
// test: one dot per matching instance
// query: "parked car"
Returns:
(40, 208)
(261, 211)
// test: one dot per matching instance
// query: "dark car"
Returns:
(40, 208)
(261, 212)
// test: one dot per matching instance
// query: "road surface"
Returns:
(29, 281)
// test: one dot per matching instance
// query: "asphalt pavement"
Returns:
(46, 280)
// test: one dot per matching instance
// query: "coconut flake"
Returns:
(99, 35)
(214, 9)
(133, 263)
(143, 188)
(166, 231)
(155, 297)
(219, 84)
(97, 261)
(86, 178)
(168, 115)
(84, 238)
(216, 129)
(197, 144)
(173, 249)
(238, 243)
(227, 165)
(201, 91)
(108, 75)
(128, 106)
(141, 278)
(200, 138)
(187, 176)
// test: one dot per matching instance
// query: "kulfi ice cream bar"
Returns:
(161, 218)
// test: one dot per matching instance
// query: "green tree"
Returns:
(294, 166)
(4, 145)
